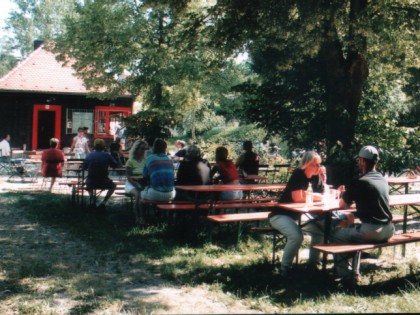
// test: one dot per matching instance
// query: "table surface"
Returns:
(402, 180)
(254, 177)
(394, 200)
(223, 187)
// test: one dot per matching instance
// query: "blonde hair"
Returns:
(308, 157)
(138, 146)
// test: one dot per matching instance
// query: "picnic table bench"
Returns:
(357, 249)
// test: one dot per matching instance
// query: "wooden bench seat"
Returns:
(357, 249)
(182, 205)
(341, 248)
(237, 217)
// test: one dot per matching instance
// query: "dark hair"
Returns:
(54, 142)
(247, 145)
(221, 154)
(369, 163)
(193, 153)
(159, 146)
(80, 129)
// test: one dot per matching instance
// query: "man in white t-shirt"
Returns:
(5, 146)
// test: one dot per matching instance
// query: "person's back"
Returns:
(193, 170)
(370, 192)
(52, 161)
(97, 164)
(160, 170)
(248, 161)
(228, 174)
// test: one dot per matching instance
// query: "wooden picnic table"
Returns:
(328, 209)
(403, 181)
(229, 187)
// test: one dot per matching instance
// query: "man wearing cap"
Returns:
(370, 192)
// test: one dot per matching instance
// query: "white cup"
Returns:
(333, 194)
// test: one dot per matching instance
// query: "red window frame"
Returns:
(103, 118)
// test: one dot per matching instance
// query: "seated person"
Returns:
(286, 222)
(97, 164)
(249, 160)
(159, 170)
(227, 173)
(134, 167)
(116, 151)
(370, 192)
(193, 170)
(52, 161)
(181, 151)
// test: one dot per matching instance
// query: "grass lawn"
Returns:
(59, 259)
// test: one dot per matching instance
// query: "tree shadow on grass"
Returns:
(90, 257)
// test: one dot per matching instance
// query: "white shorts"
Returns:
(151, 194)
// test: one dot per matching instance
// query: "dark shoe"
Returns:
(348, 282)
(312, 267)
(286, 274)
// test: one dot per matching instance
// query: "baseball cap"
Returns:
(369, 152)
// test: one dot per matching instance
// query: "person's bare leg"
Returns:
(52, 183)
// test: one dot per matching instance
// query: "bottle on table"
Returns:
(309, 197)
(326, 196)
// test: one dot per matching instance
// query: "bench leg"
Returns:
(356, 264)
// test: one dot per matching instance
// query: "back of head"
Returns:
(193, 153)
(308, 157)
(221, 154)
(370, 154)
(159, 146)
(138, 145)
(54, 142)
(247, 145)
(99, 144)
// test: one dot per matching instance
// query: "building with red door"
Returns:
(41, 98)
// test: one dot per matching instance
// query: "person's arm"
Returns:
(129, 173)
(87, 147)
(298, 195)
(73, 144)
(342, 203)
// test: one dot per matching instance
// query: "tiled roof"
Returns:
(41, 72)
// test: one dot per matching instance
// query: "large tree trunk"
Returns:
(345, 74)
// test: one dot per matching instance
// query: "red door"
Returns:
(46, 125)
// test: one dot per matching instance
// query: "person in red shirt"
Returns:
(225, 171)
(52, 161)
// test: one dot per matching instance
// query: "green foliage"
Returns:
(37, 20)
(149, 124)
(379, 125)
(7, 59)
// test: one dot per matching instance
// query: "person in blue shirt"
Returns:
(159, 171)
(97, 164)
